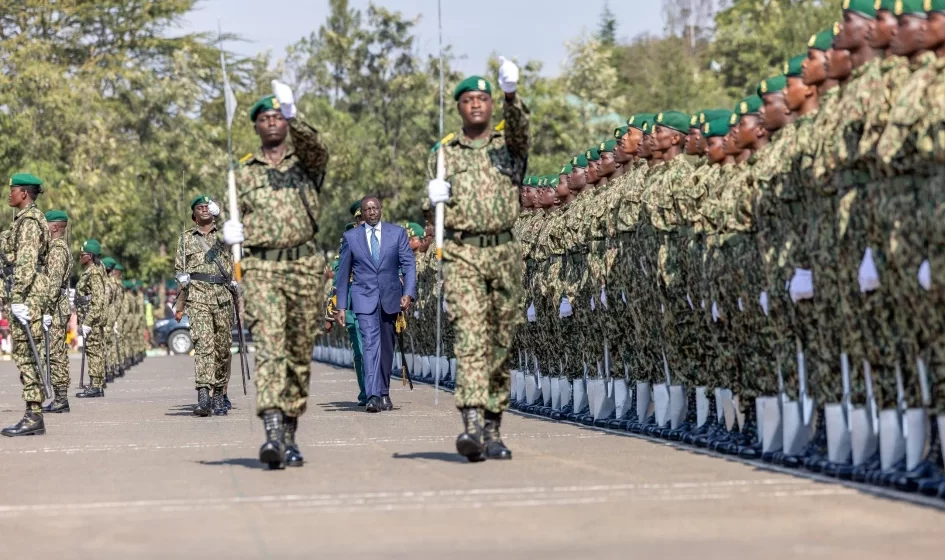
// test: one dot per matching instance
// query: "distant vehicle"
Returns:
(176, 335)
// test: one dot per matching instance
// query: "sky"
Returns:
(522, 29)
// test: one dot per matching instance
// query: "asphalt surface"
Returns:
(136, 475)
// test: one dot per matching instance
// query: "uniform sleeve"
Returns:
(57, 265)
(179, 264)
(312, 153)
(27, 255)
(99, 303)
(516, 128)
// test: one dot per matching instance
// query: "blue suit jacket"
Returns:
(371, 284)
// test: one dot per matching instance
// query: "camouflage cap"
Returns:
(593, 154)
(865, 8)
(774, 84)
(715, 128)
(821, 41)
(675, 120)
(793, 68)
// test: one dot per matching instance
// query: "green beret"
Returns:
(414, 229)
(694, 119)
(118, 266)
(593, 154)
(57, 216)
(620, 132)
(637, 121)
(566, 169)
(267, 103)
(579, 160)
(715, 128)
(821, 41)
(350, 225)
(793, 68)
(888, 5)
(774, 84)
(714, 114)
(749, 106)
(915, 8)
(865, 8)
(26, 180)
(674, 120)
(202, 199)
(608, 146)
(92, 247)
(109, 263)
(935, 5)
(355, 208)
(551, 180)
(128, 284)
(527, 181)
(472, 83)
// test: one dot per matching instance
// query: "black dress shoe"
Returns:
(386, 403)
(30, 425)
(91, 392)
(293, 456)
(374, 404)
(204, 406)
(272, 453)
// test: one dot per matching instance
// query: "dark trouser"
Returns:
(377, 335)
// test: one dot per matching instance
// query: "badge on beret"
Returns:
(633, 118)
(733, 119)
(646, 127)
(764, 86)
(587, 154)
(743, 108)
(659, 118)
(898, 7)
(701, 118)
(846, 4)
(836, 28)
(574, 160)
(786, 67)
(616, 133)
(927, 5)
(813, 39)
(693, 121)
(877, 5)
(602, 146)
(482, 84)
(275, 103)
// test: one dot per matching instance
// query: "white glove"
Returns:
(115, 327)
(564, 310)
(623, 296)
(603, 298)
(416, 313)
(802, 285)
(593, 305)
(740, 306)
(214, 208)
(925, 275)
(508, 75)
(183, 279)
(438, 191)
(868, 276)
(233, 232)
(715, 312)
(285, 98)
(21, 311)
(47, 321)
(530, 313)
(763, 300)
(643, 267)
(689, 301)
(235, 285)
(86, 330)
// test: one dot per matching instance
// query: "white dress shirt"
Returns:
(367, 235)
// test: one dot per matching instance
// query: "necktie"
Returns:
(375, 246)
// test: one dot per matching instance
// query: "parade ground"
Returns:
(136, 475)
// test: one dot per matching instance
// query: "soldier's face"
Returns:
(882, 29)
(747, 131)
(414, 243)
(16, 196)
(528, 197)
(934, 31)
(562, 191)
(730, 142)
(795, 93)
(632, 142)
(475, 108)
(839, 64)
(608, 163)
(622, 154)
(575, 181)
(853, 31)
(371, 211)
(716, 149)
(592, 173)
(908, 36)
(695, 142)
(645, 150)
(812, 69)
(548, 197)
(774, 112)
(202, 214)
(271, 127)
(662, 138)
(85, 259)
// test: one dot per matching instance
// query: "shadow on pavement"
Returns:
(236, 462)
(433, 456)
(342, 406)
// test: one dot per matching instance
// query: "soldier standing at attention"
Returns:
(25, 248)
(278, 198)
(204, 269)
(91, 300)
(56, 319)
(483, 265)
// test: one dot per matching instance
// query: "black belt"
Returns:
(481, 240)
(279, 255)
(209, 278)
(83, 300)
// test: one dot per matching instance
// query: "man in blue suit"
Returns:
(383, 272)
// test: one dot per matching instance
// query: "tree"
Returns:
(607, 28)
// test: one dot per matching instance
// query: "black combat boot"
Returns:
(469, 444)
(293, 456)
(495, 447)
(30, 425)
(227, 403)
(203, 406)
(219, 405)
(272, 452)
(60, 403)
(91, 392)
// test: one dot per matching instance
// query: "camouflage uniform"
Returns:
(283, 270)
(91, 301)
(209, 304)
(58, 271)
(482, 285)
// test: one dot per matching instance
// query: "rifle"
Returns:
(7, 275)
(240, 337)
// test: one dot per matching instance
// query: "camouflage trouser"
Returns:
(758, 362)
(211, 327)
(547, 326)
(651, 302)
(283, 311)
(622, 294)
(24, 359)
(724, 364)
(932, 197)
(58, 354)
(95, 355)
(576, 337)
(483, 291)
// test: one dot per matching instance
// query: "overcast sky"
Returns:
(524, 29)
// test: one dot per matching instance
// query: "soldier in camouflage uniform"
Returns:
(91, 300)
(278, 199)
(113, 308)
(25, 247)
(204, 267)
(483, 268)
(58, 310)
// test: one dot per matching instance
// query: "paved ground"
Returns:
(135, 475)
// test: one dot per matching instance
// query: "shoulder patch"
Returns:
(246, 158)
(500, 127)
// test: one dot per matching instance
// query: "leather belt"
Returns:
(281, 255)
(209, 278)
(481, 240)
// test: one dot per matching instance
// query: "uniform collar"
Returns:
(462, 140)
(29, 207)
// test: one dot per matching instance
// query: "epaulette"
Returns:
(445, 140)
(500, 127)
(246, 158)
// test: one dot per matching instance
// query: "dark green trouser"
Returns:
(354, 334)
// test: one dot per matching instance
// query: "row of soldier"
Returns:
(37, 270)
(791, 248)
